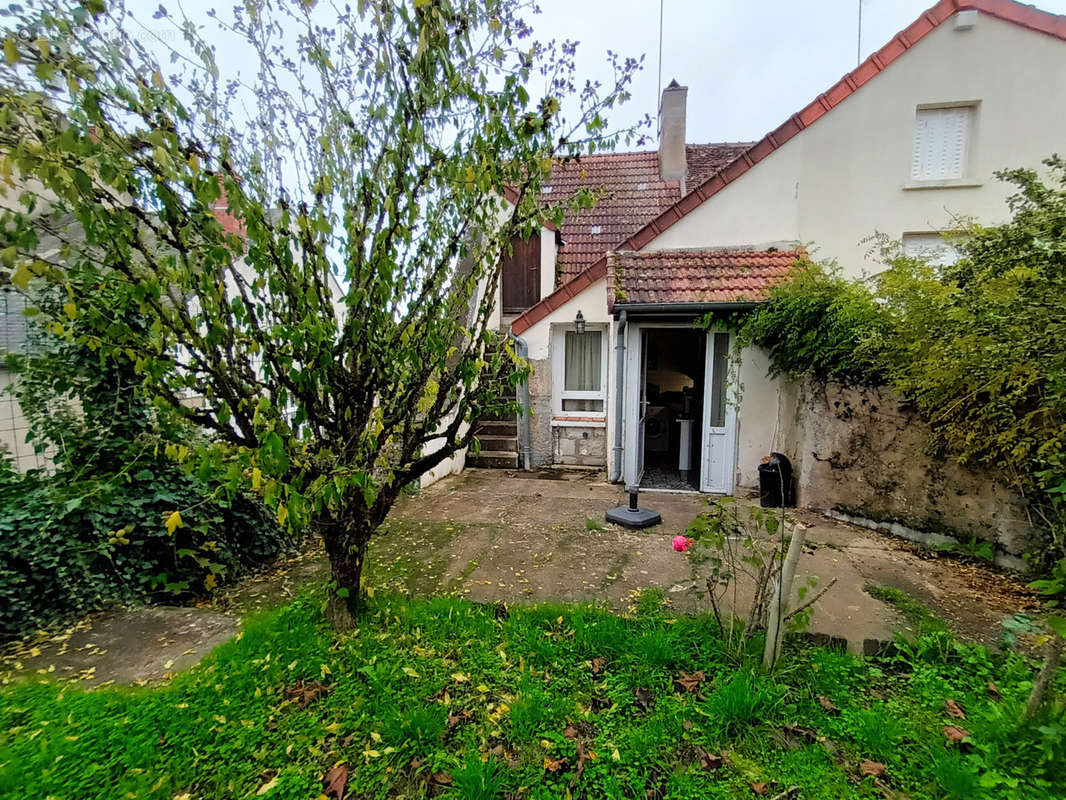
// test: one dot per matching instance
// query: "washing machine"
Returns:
(657, 424)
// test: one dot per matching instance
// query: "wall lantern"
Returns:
(579, 323)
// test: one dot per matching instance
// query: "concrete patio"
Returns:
(499, 536)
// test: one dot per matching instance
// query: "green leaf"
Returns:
(1057, 624)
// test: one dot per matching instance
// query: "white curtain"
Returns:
(583, 361)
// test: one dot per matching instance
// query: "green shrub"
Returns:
(977, 347)
(71, 547)
(93, 528)
(822, 324)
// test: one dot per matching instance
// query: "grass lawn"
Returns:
(445, 698)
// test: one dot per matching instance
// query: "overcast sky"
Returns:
(748, 65)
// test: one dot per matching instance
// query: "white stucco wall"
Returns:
(757, 414)
(844, 178)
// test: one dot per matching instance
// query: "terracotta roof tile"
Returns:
(697, 276)
(630, 193)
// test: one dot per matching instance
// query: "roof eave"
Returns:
(684, 308)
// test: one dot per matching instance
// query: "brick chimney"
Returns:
(220, 208)
(672, 166)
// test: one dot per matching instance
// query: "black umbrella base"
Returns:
(634, 518)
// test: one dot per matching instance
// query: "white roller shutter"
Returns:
(941, 143)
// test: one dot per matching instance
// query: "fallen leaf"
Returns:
(709, 761)
(689, 681)
(270, 784)
(953, 709)
(571, 732)
(336, 782)
(687, 724)
(828, 704)
(758, 788)
(875, 769)
(600, 703)
(643, 697)
(993, 692)
(303, 694)
(554, 764)
(598, 664)
(457, 717)
(954, 734)
(437, 783)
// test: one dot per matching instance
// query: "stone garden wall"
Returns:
(863, 455)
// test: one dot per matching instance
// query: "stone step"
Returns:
(493, 460)
(497, 427)
(498, 443)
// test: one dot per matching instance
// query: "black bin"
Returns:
(776, 487)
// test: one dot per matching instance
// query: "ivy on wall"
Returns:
(979, 347)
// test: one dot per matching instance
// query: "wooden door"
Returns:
(521, 275)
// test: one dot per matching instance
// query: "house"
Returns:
(905, 144)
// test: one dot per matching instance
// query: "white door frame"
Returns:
(721, 480)
(631, 412)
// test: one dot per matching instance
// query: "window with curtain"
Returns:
(582, 389)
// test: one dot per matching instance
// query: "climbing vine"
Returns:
(976, 346)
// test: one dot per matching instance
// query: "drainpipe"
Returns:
(522, 349)
(620, 351)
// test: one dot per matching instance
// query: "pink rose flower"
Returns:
(681, 544)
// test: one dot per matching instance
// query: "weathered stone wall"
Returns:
(580, 446)
(864, 453)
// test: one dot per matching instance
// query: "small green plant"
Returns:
(651, 602)
(742, 701)
(957, 775)
(479, 780)
(749, 548)
(420, 725)
(592, 524)
(970, 548)
(536, 710)
(656, 648)
(876, 732)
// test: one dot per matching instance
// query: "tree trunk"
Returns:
(345, 540)
(775, 625)
(1045, 677)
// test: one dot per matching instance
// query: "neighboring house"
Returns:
(905, 144)
(13, 425)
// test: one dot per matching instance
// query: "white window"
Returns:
(942, 143)
(580, 372)
(932, 247)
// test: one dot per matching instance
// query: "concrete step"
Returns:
(498, 443)
(497, 427)
(493, 460)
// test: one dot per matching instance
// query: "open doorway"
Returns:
(673, 389)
